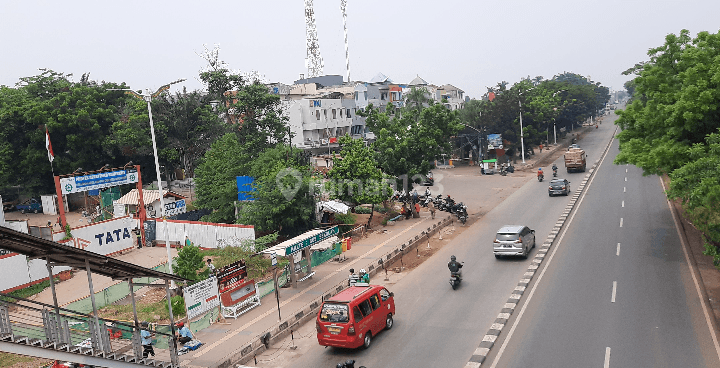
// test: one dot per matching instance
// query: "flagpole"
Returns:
(49, 148)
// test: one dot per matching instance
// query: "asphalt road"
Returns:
(438, 327)
(617, 292)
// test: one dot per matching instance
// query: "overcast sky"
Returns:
(470, 43)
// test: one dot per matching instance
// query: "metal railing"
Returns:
(32, 323)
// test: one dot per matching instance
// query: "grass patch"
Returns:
(30, 290)
(146, 312)
(8, 360)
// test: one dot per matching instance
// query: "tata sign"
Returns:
(77, 184)
(317, 238)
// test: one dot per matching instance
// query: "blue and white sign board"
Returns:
(77, 184)
(175, 208)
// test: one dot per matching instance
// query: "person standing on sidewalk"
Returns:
(146, 340)
(431, 207)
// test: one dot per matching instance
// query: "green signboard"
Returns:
(317, 238)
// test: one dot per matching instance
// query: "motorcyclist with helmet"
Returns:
(454, 266)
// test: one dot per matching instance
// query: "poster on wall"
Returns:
(494, 141)
(201, 297)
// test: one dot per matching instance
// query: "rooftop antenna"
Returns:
(343, 7)
(313, 61)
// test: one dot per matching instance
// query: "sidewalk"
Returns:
(226, 343)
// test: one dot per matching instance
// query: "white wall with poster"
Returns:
(201, 297)
(105, 237)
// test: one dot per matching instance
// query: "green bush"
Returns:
(382, 209)
(362, 210)
(348, 219)
(178, 306)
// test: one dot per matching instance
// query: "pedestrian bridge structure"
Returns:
(48, 331)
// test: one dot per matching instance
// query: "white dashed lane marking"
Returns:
(618, 250)
(607, 358)
(621, 221)
(623, 203)
(614, 291)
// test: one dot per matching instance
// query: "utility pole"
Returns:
(147, 97)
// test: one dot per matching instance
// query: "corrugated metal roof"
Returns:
(149, 196)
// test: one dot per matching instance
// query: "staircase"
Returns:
(34, 329)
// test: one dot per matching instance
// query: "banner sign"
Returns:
(175, 208)
(201, 297)
(494, 141)
(241, 291)
(312, 240)
(77, 184)
(231, 275)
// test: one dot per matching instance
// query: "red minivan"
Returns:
(351, 318)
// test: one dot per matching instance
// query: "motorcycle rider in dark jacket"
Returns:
(454, 265)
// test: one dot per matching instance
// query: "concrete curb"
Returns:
(305, 314)
(488, 341)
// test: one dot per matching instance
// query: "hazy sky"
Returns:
(470, 44)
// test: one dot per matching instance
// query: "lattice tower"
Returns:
(314, 60)
(343, 7)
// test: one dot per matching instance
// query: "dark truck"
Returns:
(32, 205)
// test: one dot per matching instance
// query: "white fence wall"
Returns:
(202, 234)
(17, 271)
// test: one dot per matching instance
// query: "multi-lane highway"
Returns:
(617, 291)
(436, 326)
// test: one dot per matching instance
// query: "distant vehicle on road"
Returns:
(32, 205)
(575, 159)
(351, 318)
(559, 186)
(513, 240)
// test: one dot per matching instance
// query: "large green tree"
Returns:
(408, 143)
(283, 201)
(676, 103)
(671, 125)
(355, 176)
(216, 184)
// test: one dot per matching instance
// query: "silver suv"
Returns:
(513, 240)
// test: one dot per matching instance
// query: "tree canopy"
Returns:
(672, 124)
(409, 140)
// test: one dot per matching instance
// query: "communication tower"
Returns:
(313, 61)
(343, 7)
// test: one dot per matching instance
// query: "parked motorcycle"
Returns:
(461, 212)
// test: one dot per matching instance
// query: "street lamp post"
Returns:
(147, 97)
(522, 141)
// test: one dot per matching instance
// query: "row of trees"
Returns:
(565, 100)
(672, 125)
(91, 125)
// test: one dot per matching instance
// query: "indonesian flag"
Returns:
(51, 156)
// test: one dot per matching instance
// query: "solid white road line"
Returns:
(618, 250)
(542, 273)
(621, 221)
(623, 203)
(607, 357)
(694, 277)
(614, 291)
